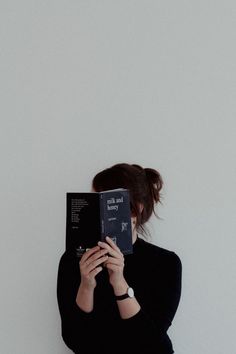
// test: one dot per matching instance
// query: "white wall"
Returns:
(86, 84)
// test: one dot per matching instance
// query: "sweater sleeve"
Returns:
(155, 317)
(75, 323)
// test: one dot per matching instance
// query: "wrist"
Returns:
(88, 288)
(120, 288)
(84, 298)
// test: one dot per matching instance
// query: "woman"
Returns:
(111, 303)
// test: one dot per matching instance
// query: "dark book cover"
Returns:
(92, 216)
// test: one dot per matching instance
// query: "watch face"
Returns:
(130, 292)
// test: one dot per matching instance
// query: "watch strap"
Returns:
(129, 294)
(122, 297)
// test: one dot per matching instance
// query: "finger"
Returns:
(96, 263)
(112, 244)
(93, 260)
(115, 261)
(113, 267)
(94, 272)
(95, 256)
(88, 253)
(111, 251)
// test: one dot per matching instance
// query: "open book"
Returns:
(92, 216)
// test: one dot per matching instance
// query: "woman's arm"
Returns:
(127, 307)
(115, 265)
(77, 324)
(90, 266)
(159, 304)
(151, 313)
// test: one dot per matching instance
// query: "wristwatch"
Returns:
(129, 294)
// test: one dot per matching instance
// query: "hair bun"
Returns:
(155, 182)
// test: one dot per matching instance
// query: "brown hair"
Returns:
(144, 185)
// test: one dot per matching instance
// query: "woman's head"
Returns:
(144, 185)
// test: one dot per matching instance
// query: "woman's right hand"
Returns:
(90, 266)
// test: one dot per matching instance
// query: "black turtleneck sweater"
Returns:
(155, 275)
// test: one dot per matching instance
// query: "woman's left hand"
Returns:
(114, 263)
